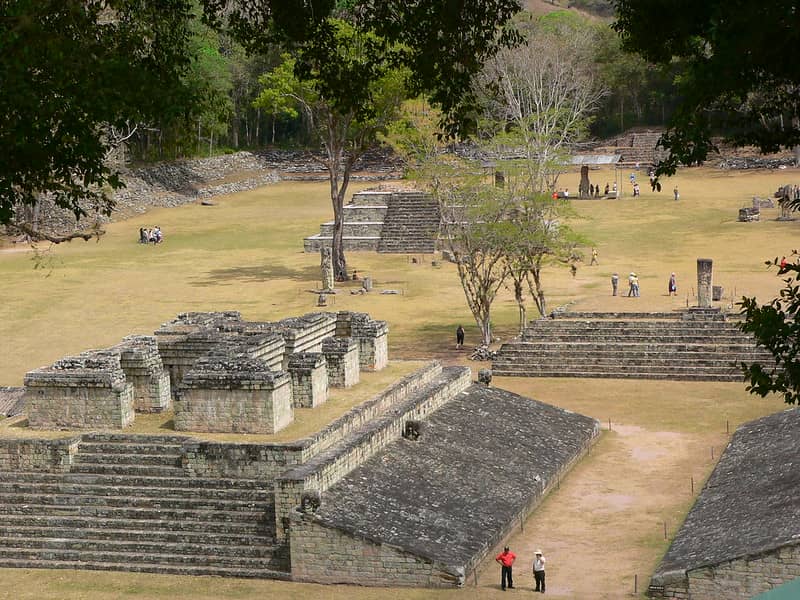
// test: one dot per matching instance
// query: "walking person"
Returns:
(506, 559)
(635, 285)
(538, 571)
(676, 194)
(594, 257)
(614, 284)
(673, 285)
(460, 337)
(631, 277)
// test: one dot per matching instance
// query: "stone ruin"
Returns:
(224, 374)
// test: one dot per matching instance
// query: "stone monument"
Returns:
(704, 282)
(583, 188)
(326, 264)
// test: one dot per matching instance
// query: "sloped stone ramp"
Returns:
(425, 512)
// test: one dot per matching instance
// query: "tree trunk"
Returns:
(485, 326)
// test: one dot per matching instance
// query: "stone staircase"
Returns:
(411, 224)
(629, 347)
(127, 505)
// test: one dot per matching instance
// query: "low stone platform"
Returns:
(426, 510)
(742, 537)
(690, 345)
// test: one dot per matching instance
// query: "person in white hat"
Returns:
(538, 571)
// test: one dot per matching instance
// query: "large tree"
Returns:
(441, 45)
(738, 74)
(540, 97)
(74, 74)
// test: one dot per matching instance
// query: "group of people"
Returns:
(506, 561)
(633, 285)
(150, 236)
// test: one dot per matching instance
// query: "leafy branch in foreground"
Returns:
(776, 327)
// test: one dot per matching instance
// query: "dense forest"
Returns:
(231, 80)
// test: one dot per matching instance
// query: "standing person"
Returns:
(676, 194)
(594, 257)
(673, 285)
(636, 189)
(635, 285)
(538, 571)
(631, 278)
(614, 284)
(506, 559)
(605, 193)
(460, 337)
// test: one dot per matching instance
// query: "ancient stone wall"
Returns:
(746, 577)
(249, 461)
(87, 391)
(229, 392)
(50, 456)
(352, 560)
(309, 379)
(371, 336)
(324, 470)
(142, 365)
(341, 356)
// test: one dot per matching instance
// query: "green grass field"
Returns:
(605, 522)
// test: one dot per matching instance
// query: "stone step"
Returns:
(91, 458)
(207, 538)
(41, 563)
(610, 363)
(133, 514)
(129, 559)
(134, 438)
(627, 347)
(128, 470)
(111, 501)
(619, 375)
(265, 526)
(182, 481)
(263, 496)
(129, 448)
(141, 545)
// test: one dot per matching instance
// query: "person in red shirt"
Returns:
(506, 559)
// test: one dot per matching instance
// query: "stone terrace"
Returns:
(694, 345)
(426, 510)
(389, 222)
(742, 536)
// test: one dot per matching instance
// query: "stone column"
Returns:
(704, 282)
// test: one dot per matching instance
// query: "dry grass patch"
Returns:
(605, 522)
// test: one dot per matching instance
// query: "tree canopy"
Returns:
(737, 72)
(73, 74)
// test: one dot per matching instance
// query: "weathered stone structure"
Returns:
(228, 391)
(691, 345)
(341, 358)
(184, 505)
(704, 282)
(227, 374)
(141, 363)
(80, 392)
(390, 222)
(309, 374)
(742, 537)
(425, 512)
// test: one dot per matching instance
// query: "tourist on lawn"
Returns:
(605, 193)
(673, 285)
(538, 571)
(676, 194)
(594, 257)
(614, 284)
(460, 337)
(506, 559)
(635, 285)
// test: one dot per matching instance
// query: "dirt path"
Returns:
(633, 481)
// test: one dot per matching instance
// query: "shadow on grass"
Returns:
(256, 274)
